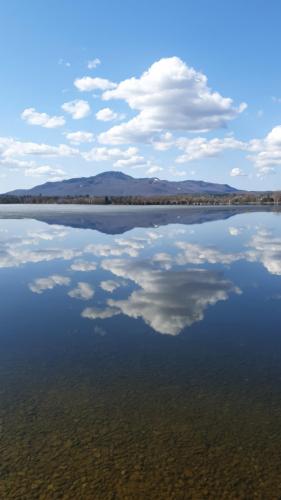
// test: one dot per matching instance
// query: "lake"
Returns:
(140, 352)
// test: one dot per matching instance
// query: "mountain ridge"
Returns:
(114, 183)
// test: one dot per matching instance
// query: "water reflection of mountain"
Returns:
(118, 220)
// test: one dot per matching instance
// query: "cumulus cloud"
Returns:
(237, 172)
(41, 284)
(45, 170)
(163, 142)
(154, 169)
(134, 161)
(18, 154)
(264, 153)
(120, 158)
(77, 109)
(267, 152)
(87, 84)
(200, 147)
(106, 115)
(167, 301)
(83, 291)
(265, 171)
(113, 154)
(33, 117)
(93, 63)
(80, 137)
(11, 148)
(168, 96)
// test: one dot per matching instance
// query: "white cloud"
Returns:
(267, 151)
(41, 284)
(15, 164)
(120, 158)
(45, 170)
(93, 63)
(87, 84)
(163, 142)
(110, 154)
(80, 137)
(33, 117)
(106, 115)
(154, 170)
(77, 109)
(237, 172)
(169, 96)
(200, 147)
(134, 161)
(12, 149)
(264, 171)
(82, 291)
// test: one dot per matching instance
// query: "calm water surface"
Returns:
(140, 353)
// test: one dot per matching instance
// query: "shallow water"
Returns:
(140, 353)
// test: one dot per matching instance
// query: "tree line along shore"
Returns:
(265, 198)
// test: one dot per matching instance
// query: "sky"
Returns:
(189, 89)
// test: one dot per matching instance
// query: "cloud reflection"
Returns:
(41, 284)
(109, 285)
(267, 250)
(197, 254)
(83, 266)
(166, 300)
(83, 291)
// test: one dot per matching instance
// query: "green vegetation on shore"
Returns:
(259, 198)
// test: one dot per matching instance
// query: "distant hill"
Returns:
(119, 184)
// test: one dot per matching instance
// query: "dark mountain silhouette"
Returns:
(119, 184)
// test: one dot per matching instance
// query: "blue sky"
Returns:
(183, 89)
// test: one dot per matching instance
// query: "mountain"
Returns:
(119, 184)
